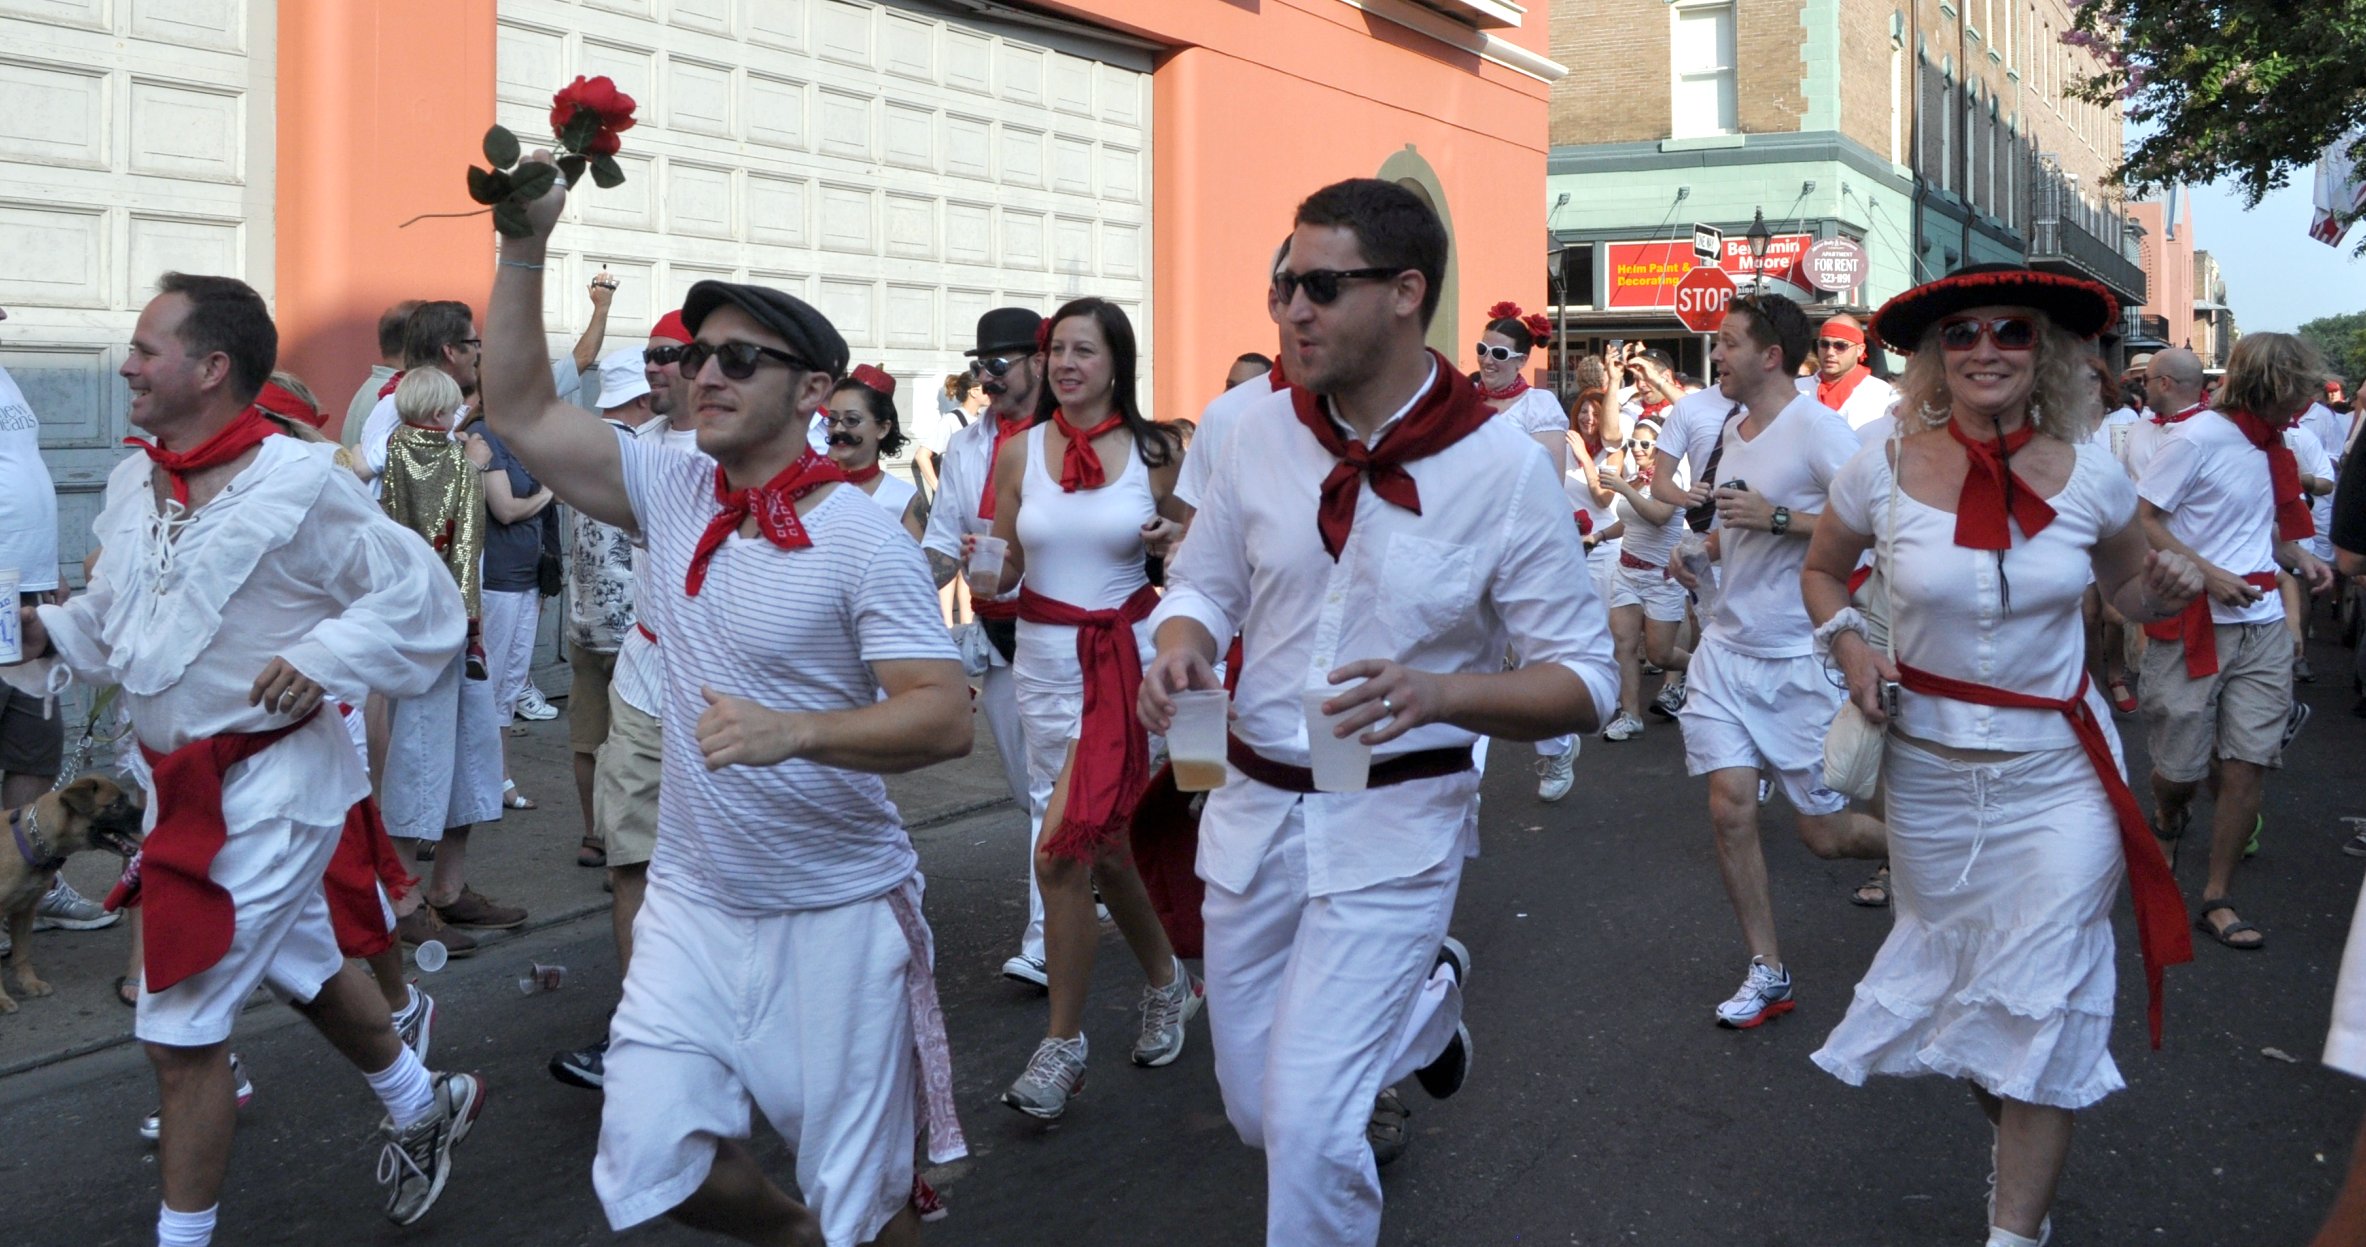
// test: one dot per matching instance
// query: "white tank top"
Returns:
(1084, 548)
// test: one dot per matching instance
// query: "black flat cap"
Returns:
(809, 334)
(1006, 329)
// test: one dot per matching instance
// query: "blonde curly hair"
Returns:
(2058, 404)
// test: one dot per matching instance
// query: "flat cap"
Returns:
(809, 334)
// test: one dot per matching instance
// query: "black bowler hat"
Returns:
(809, 334)
(1006, 329)
(2080, 306)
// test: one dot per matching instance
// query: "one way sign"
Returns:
(1708, 243)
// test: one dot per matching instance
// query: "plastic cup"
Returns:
(1196, 739)
(430, 956)
(985, 558)
(542, 979)
(1339, 765)
(12, 640)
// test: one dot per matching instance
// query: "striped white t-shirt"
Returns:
(791, 630)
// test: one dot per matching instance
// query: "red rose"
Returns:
(1539, 328)
(1505, 310)
(614, 107)
(604, 143)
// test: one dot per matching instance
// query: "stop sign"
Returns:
(1702, 297)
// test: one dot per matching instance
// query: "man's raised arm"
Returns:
(564, 446)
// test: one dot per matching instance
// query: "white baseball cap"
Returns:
(621, 377)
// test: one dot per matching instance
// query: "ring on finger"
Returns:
(1387, 705)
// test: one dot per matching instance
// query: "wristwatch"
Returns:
(1781, 523)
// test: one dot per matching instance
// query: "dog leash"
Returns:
(100, 703)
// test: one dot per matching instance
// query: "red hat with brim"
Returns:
(2076, 304)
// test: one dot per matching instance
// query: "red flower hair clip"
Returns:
(1043, 337)
(1539, 328)
(1506, 310)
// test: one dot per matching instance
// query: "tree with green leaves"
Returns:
(2342, 340)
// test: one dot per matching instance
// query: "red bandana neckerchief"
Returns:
(1980, 510)
(1276, 380)
(861, 476)
(1004, 430)
(2293, 521)
(773, 503)
(1448, 412)
(1080, 464)
(391, 382)
(1518, 387)
(1833, 393)
(2180, 418)
(244, 432)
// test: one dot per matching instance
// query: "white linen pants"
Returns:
(511, 620)
(998, 700)
(1316, 1003)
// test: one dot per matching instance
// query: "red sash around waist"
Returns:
(190, 917)
(2160, 910)
(1112, 747)
(1628, 560)
(1403, 768)
(1002, 611)
(365, 860)
(2195, 629)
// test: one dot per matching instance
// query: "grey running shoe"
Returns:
(1166, 1011)
(1555, 773)
(1022, 968)
(585, 1067)
(415, 1025)
(415, 1163)
(1054, 1075)
(1624, 727)
(64, 909)
(1671, 697)
(1764, 996)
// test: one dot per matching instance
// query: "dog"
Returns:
(93, 812)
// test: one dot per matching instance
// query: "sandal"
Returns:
(127, 992)
(1873, 893)
(592, 853)
(2225, 934)
(2122, 700)
(2169, 840)
(512, 799)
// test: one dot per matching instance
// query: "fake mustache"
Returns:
(845, 439)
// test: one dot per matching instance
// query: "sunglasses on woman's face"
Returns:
(2009, 333)
(1322, 284)
(1497, 353)
(737, 359)
(660, 356)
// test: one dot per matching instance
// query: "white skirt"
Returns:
(1999, 969)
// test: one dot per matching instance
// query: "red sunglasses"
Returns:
(2009, 333)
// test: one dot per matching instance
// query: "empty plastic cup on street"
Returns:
(1195, 740)
(542, 978)
(985, 558)
(430, 956)
(1339, 765)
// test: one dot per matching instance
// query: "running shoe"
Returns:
(1166, 1013)
(1026, 969)
(1054, 1076)
(2355, 846)
(1443, 1077)
(2293, 719)
(1625, 726)
(926, 1201)
(415, 1025)
(415, 1162)
(1556, 773)
(1671, 697)
(585, 1067)
(1765, 790)
(152, 1126)
(2301, 671)
(1764, 996)
(64, 909)
(1454, 956)
(2251, 846)
(532, 706)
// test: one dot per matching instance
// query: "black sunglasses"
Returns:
(997, 366)
(737, 359)
(1322, 284)
(660, 356)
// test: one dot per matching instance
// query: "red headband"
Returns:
(1842, 331)
(279, 400)
(670, 326)
(873, 378)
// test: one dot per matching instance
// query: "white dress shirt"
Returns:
(961, 478)
(1491, 564)
(1215, 423)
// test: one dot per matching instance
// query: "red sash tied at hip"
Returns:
(365, 860)
(1112, 747)
(2160, 909)
(2195, 629)
(1001, 610)
(190, 917)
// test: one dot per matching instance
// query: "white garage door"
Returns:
(903, 168)
(135, 139)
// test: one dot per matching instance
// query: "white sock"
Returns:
(2001, 1237)
(185, 1229)
(409, 1008)
(1552, 747)
(405, 1089)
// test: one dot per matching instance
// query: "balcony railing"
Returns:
(2067, 231)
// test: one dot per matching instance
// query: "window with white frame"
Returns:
(1701, 51)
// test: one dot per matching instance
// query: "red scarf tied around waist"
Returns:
(244, 432)
(1112, 747)
(773, 503)
(1982, 509)
(2195, 629)
(1448, 412)
(2160, 910)
(190, 917)
(2293, 521)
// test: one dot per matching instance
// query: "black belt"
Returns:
(1400, 769)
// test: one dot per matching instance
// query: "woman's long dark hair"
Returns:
(1156, 446)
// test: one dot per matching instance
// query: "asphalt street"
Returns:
(1604, 1107)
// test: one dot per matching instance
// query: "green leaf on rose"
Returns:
(580, 128)
(501, 147)
(509, 216)
(483, 188)
(605, 172)
(572, 166)
(531, 182)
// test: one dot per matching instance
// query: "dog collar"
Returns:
(27, 832)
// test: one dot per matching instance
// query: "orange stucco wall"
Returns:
(381, 106)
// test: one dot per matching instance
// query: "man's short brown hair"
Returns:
(226, 315)
(390, 327)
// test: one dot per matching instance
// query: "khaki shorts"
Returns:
(624, 784)
(2238, 713)
(587, 697)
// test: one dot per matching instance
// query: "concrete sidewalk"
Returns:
(527, 859)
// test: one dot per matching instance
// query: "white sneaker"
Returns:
(1624, 727)
(1764, 996)
(1026, 969)
(1555, 774)
(1054, 1076)
(415, 1025)
(532, 706)
(1166, 1013)
(152, 1126)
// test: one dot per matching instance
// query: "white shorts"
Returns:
(801, 1015)
(1602, 565)
(282, 935)
(1769, 714)
(1662, 599)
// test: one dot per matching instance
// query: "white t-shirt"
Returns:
(2314, 461)
(2214, 485)
(1871, 400)
(1791, 462)
(1690, 431)
(1536, 412)
(795, 630)
(1215, 423)
(2114, 429)
(2331, 427)
(28, 498)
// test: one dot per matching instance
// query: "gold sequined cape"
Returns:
(431, 488)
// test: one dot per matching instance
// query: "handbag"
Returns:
(1853, 746)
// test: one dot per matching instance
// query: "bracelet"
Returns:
(1846, 619)
(522, 264)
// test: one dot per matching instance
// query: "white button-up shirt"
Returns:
(961, 481)
(1492, 564)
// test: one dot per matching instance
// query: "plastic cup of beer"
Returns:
(1195, 740)
(985, 557)
(12, 638)
(1339, 765)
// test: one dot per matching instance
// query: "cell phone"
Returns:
(1889, 699)
(1736, 483)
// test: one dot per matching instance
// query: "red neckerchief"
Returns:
(861, 476)
(1651, 411)
(1004, 430)
(1980, 510)
(774, 504)
(1080, 465)
(2180, 418)
(2160, 911)
(391, 382)
(1448, 412)
(1276, 380)
(1518, 387)
(2293, 521)
(1833, 393)
(245, 431)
